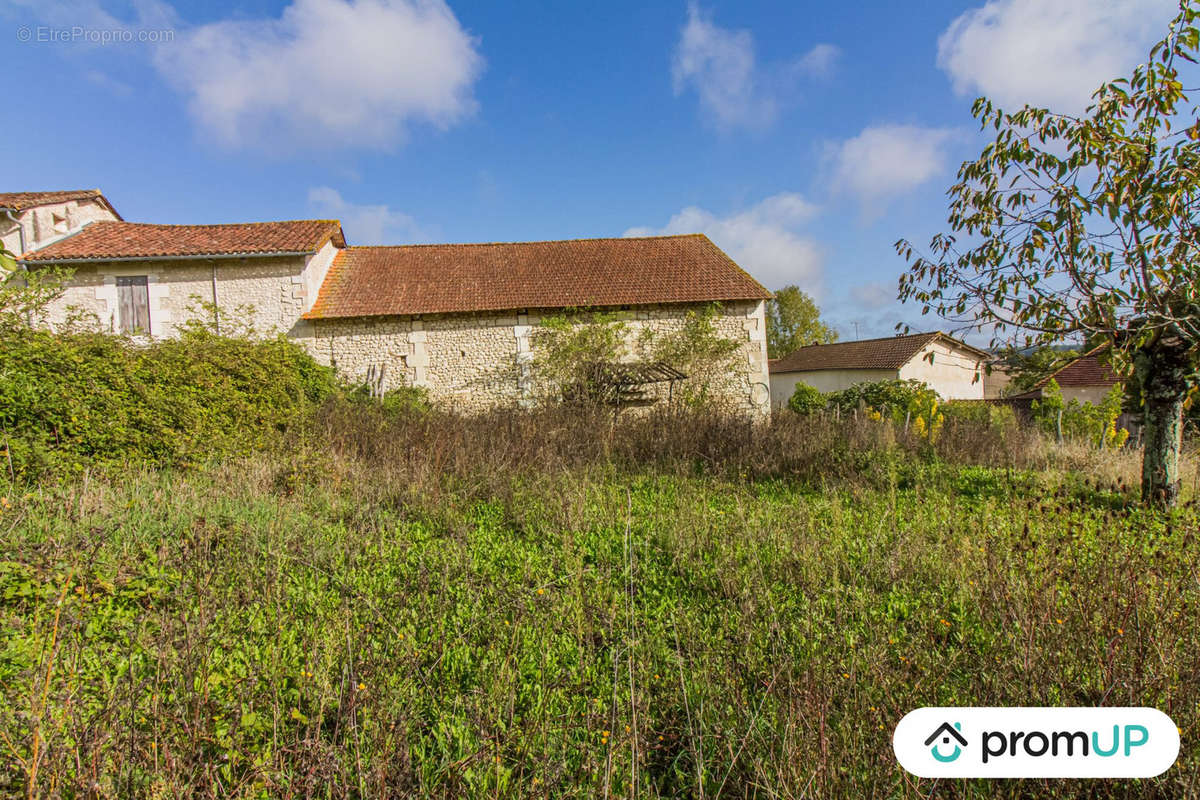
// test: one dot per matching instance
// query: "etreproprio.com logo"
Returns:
(1036, 742)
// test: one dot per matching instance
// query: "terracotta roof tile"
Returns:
(19, 201)
(1087, 370)
(130, 240)
(891, 352)
(22, 201)
(447, 278)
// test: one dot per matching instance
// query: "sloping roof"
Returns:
(891, 352)
(449, 278)
(21, 201)
(1087, 370)
(109, 241)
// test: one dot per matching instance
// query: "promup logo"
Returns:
(1036, 742)
(946, 732)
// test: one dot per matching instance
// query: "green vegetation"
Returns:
(793, 321)
(1027, 367)
(541, 604)
(992, 415)
(908, 402)
(575, 355)
(1089, 422)
(255, 583)
(1084, 225)
(806, 399)
(78, 400)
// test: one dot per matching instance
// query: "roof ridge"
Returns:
(213, 224)
(113, 240)
(46, 197)
(55, 191)
(528, 241)
(875, 339)
(884, 352)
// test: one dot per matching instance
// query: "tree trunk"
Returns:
(1160, 460)
(1165, 372)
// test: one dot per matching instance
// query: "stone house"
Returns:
(457, 319)
(952, 368)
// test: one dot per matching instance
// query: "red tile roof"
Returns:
(447, 278)
(21, 201)
(1087, 370)
(104, 241)
(890, 352)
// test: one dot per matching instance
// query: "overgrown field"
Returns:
(551, 605)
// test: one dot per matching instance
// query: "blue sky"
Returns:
(803, 137)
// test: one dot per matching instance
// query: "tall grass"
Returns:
(558, 604)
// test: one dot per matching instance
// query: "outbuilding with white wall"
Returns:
(951, 367)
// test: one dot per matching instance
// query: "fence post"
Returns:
(1058, 426)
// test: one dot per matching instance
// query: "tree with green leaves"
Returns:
(793, 321)
(25, 295)
(1028, 366)
(577, 354)
(1085, 226)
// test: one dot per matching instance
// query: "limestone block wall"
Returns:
(274, 288)
(45, 224)
(475, 361)
(466, 361)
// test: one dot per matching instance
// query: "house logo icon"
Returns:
(945, 732)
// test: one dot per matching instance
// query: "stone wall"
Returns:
(476, 361)
(45, 224)
(274, 288)
(466, 361)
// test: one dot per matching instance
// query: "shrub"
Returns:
(993, 415)
(401, 401)
(87, 399)
(575, 352)
(887, 396)
(1083, 422)
(806, 400)
(900, 400)
(405, 400)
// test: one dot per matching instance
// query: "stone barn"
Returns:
(457, 319)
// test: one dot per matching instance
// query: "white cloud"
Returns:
(721, 66)
(819, 61)
(1052, 53)
(873, 295)
(886, 160)
(366, 224)
(326, 73)
(763, 239)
